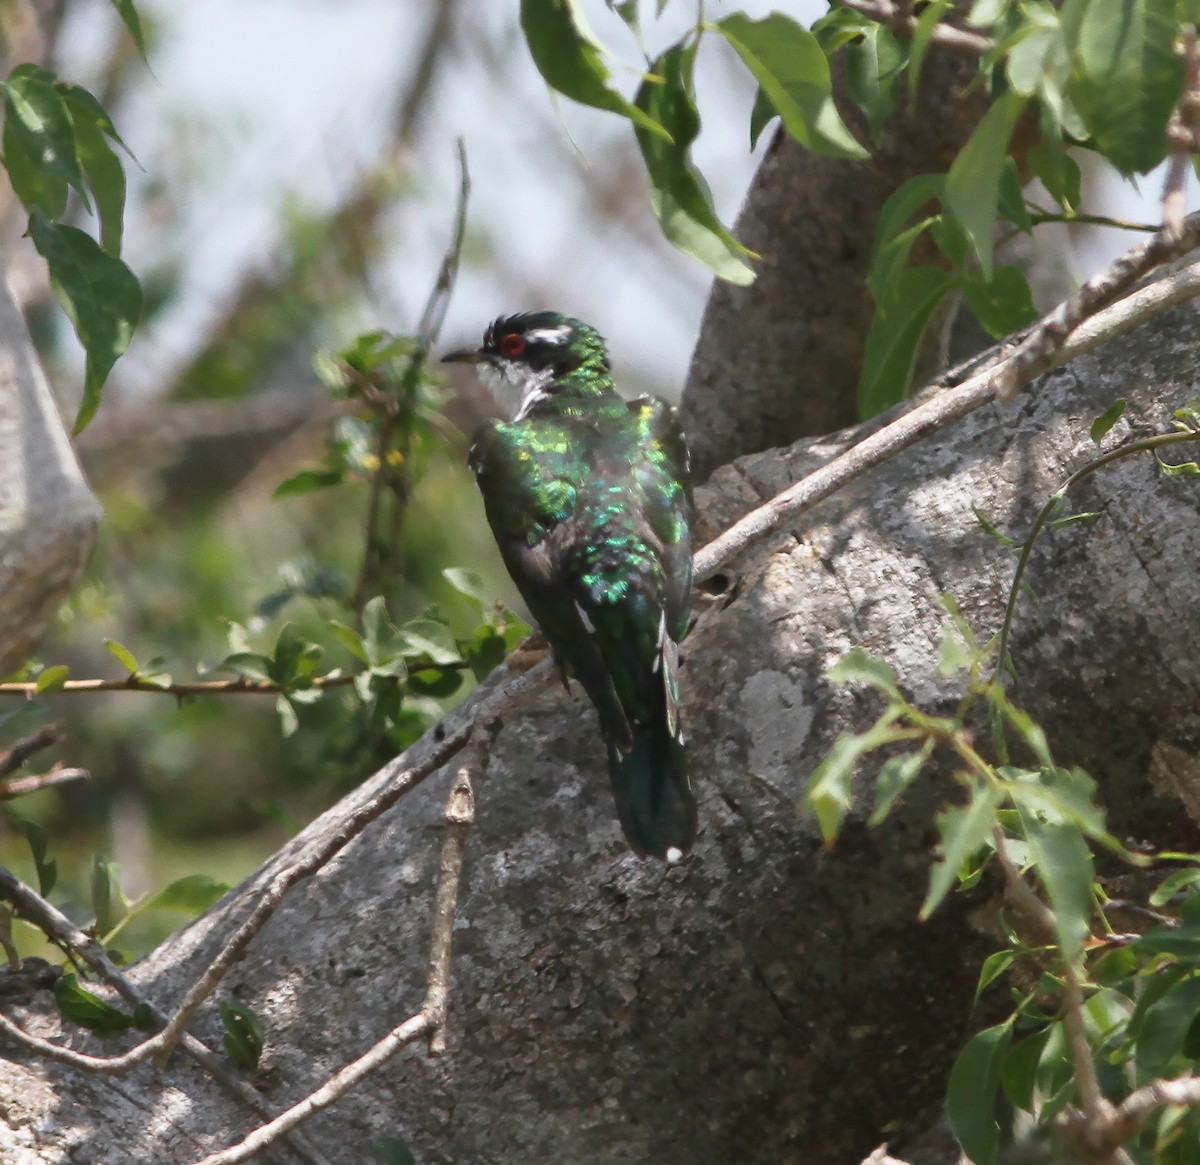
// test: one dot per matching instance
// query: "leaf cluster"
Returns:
(57, 141)
(1105, 75)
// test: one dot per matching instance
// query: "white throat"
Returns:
(516, 387)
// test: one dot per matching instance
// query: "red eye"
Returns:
(512, 346)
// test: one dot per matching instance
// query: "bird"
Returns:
(589, 498)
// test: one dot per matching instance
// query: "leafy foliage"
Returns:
(1101, 74)
(57, 140)
(1085, 998)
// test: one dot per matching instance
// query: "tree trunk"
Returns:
(767, 1000)
(780, 359)
(48, 515)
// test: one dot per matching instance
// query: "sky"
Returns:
(296, 94)
(274, 100)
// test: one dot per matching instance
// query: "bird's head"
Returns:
(529, 357)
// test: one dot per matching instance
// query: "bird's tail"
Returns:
(653, 795)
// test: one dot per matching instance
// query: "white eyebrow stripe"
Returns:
(548, 335)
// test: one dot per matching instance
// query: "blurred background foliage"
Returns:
(266, 227)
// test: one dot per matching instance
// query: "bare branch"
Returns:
(1184, 134)
(431, 1019)
(32, 906)
(22, 786)
(19, 752)
(900, 19)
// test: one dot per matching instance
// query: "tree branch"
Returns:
(431, 1019)
(904, 23)
(1044, 347)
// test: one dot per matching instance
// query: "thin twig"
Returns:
(13, 757)
(333, 1089)
(1183, 133)
(380, 543)
(1138, 1107)
(460, 816)
(22, 786)
(56, 926)
(430, 1021)
(901, 21)
(1097, 1110)
(241, 686)
(311, 860)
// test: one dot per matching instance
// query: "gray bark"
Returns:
(48, 515)
(768, 1000)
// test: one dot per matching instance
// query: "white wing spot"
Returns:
(674, 854)
(588, 625)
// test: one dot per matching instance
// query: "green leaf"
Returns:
(1026, 61)
(1173, 884)
(430, 638)
(678, 194)
(892, 343)
(103, 169)
(831, 786)
(964, 831)
(1018, 1074)
(788, 63)
(1163, 1029)
(1058, 172)
(194, 893)
(249, 664)
(991, 528)
(109, 903)
(392, 1150)
(971, 1093)
(903, 203)
(47, 871)
(123, 656)
(1002, 306)
(32, 185)
(859, 665)
(133, 24)
(993, 967)
(307, 481)
(568, 57)
(485, 651)
(350, 640)
(1071, 519)
(972, 191)
(289, 721)
(243, 1033)
(1125, 76)
(922, 38)
(897, 774)
(1105, 421)
(1012, 198)
(761, 115)
(1064, 869)
(101, 296)
(953, 654)
(438, 684)
(468, 584)
(1182, 469)
(51, 679)
(42, 125)
(87, 1009)
(1189, 413)
(295, 658)
(874, 63)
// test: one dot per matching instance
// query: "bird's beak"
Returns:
(464, 356)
